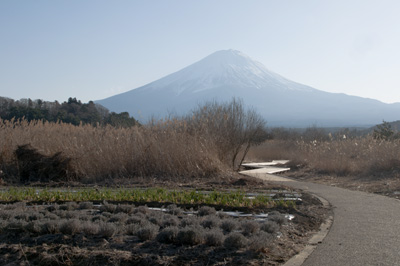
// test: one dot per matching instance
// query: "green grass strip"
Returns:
(232, 199)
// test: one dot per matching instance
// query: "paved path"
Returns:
(365, 229)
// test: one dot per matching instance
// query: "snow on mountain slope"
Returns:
(229, 73)
(227, 67)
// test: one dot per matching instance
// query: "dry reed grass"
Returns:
(164, 149)
(358, 156)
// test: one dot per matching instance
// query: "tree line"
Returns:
(72, 111)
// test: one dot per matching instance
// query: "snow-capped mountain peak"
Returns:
(230, 73)
(223, 68)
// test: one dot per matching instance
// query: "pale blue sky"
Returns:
(52, 50)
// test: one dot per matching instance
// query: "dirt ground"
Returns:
(21, 248)
(387, 184)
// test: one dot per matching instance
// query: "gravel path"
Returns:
(365, 229)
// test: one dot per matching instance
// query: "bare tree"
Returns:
(232, 128)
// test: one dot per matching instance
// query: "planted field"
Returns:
(160, 195)
(121, 234)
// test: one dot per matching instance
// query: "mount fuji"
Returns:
(229, 73)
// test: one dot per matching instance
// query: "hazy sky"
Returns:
(53, 50)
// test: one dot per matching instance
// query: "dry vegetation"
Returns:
(109, 234)
(204, 144)
(163, 149)
(364, 156)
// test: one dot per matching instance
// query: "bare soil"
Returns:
(383, 183)
(21, 248)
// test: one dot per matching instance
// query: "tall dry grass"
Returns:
(357, 156)
(163, 149)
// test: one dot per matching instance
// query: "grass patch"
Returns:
(231, 199)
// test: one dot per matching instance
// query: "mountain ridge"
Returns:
(229, 73)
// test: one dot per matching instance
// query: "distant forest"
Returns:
(72, 111)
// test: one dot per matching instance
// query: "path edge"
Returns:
(317, 238)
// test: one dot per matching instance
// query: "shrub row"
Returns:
(207, 227)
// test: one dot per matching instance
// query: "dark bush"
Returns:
(51, 227)
(250, 227)
(70, 227)
(169, 220)
(69, 206)
(173, 209)
(106, 207)
(168, 235)
(235, 240)
(131, 229)
(229, 225)
(137, 219)
(119, 218)
(206, 210)
(211, 221)
(147, 232)
(52, 207)
(34, 166)
(33, 228)
(260, 241)
(189, 221)
(155, 217)
(89, 228)
(277, 217)
(191, 235)
(141, 209)
(214, 237)
(125, 208)
(99, 218)
(86, 205)
(270, 227)
(107, 229)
